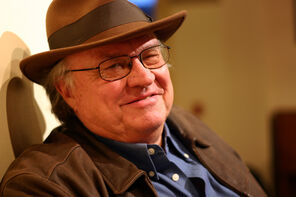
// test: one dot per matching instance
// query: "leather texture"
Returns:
(71, 162)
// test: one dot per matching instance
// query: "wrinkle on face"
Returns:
(97, 103)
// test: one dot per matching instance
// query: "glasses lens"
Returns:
(119, 67)
(115, 68)
(155, 57)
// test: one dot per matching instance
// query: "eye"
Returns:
(115, 66)
(148, 56)
(151, 57)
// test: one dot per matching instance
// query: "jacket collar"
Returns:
(212, 152)
(191, 133)
(219, 158)
(118, 173)
(112, 164)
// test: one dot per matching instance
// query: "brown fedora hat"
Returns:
(75, 25)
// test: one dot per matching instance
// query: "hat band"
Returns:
(102, 18)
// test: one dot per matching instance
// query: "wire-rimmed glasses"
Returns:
(119, 67)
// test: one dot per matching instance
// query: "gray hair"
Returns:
(59, 107)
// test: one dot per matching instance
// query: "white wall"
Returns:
(22, 29)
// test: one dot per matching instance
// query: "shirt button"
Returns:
(151, 173)
(175, 177)
(151, 151)
(186, 155)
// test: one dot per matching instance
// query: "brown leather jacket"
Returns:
(71, 162)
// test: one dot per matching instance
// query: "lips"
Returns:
(142, 97)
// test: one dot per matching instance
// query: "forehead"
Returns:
(128, 47)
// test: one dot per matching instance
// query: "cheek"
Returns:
(162, 76)
(164, 81)
(96, 104)
(102, 96)
(85, 93)
(170, 92)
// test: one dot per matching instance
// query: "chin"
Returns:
(147, 124)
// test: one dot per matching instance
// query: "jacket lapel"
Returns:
(221, 160)
(118, 173)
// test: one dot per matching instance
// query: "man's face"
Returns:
(132, 109)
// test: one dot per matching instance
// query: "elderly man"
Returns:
(108, 81)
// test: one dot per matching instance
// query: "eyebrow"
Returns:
(107, 54)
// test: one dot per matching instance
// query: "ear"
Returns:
(66, 92)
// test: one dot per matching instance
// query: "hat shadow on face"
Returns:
(20, 115)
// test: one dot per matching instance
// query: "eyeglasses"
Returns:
(119, 67)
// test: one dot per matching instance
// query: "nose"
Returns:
(139, 75)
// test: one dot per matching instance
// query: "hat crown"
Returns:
(73, 26)
(65, 12)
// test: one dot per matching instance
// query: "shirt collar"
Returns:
(134, 152)
(138, 153)
(196, 134)
(175, 146)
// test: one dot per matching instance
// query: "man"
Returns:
(108, 81)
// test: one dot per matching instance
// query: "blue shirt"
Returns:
(173, 171)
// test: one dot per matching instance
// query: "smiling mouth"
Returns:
(141, 99)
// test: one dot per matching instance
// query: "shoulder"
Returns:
(39, 165)
(192, 128)
(56, 150)
(220, 159)
(195, 131)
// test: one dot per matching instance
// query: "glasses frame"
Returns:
(131, 65)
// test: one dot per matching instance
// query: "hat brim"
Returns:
(37, 66)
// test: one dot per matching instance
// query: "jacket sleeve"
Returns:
(29, 184)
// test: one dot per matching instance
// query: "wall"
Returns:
(22, 31)
(235, 60)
